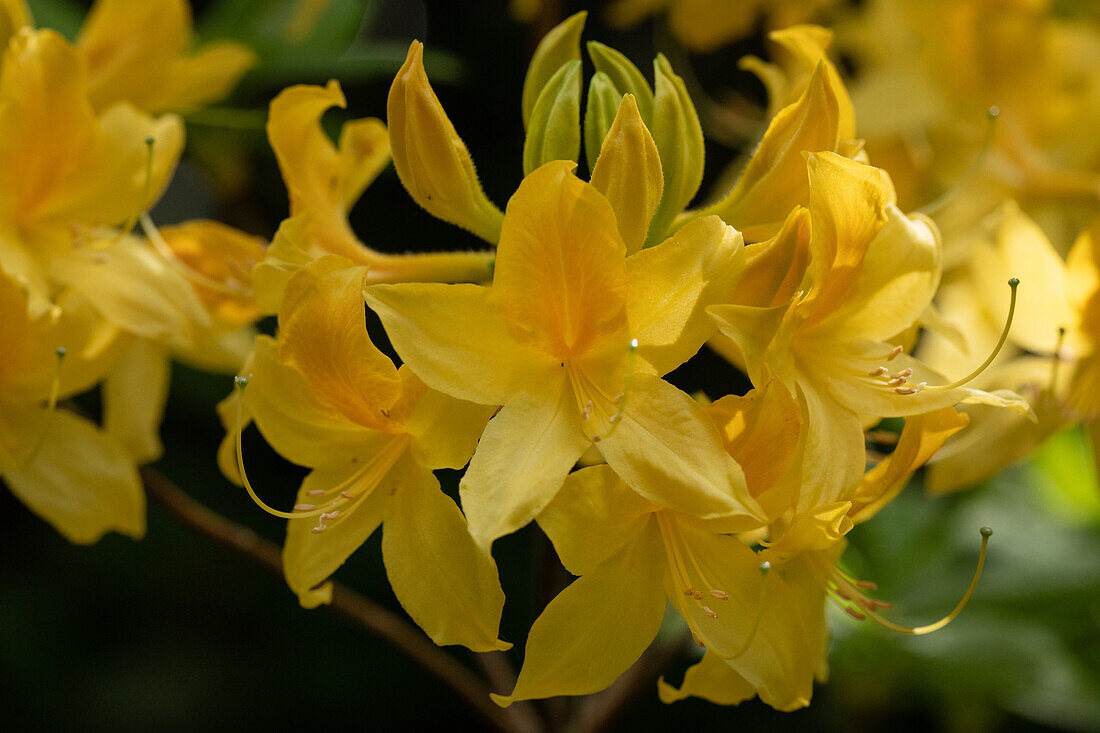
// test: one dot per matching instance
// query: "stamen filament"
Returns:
(947, 196)
(1013, 284)
(986, 533)
(764, 568)
(152, 233)
(51, 407)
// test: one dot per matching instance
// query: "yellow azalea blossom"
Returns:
(70, 179)
(138, 51)
(62, 466)
(325, 397)
(803, 557)
(572, 338)
(323, 182)
(216, 260)
(843, 277)
(705, 25)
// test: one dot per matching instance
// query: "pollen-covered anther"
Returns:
(315, 492)
(709, 611)
(896, 382)
(878, 372)
(304, 507)
(347, 495)
(588, 408)
(895, 352)
(867, 585)
(331, 515)
(319, 528)
(854, 613)
(720, 594)
(908, 390)
(906, 372)
(697, 595)
(689, 591)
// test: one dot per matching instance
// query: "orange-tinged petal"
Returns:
(560, 273)
(581, 643)
(628, 173)
(298, 426)
(79, 480)
(593, 515)
(448, 586)
(323, 334)
(667, 449)
(522, 460)
(669, 287)
(456, 340)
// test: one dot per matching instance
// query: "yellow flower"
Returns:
(138, 51)
(69, 179)
(323, 182)
(62, 466)
(803, 555)
(550, 340)
(325, 397)
(842, 279)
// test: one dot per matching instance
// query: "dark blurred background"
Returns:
(175, 633)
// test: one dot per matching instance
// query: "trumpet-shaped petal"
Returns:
(79, 480)
(711, 679)
(523, 458)
(448, 586)
(581, 643)
(560, 273)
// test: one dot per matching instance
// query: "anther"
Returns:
(709, 611)
(331, 515)
(896, 382)
(319, 528)
(689, 591)
(347, 495)
(315, 492)
(895, 352)
(907, 390)
(588, 407)
(867, 585)
(720, 594)
(879, 372)
(697, 595)
(854, 613)
(906, 372)
(304, 507)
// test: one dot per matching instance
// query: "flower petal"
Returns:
(670, 285)
(523, 458)
(448, 586)
(711, 679)
(581, 643)
(80, 480)
(455, 339)
(134, 396)
(560, 273)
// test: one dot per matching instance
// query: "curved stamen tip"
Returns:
(61, 352)
(993, 112)
(240, 382)
(1013, 282)
(765, 567)
(633, 343)
(986, 532)
(150, 140)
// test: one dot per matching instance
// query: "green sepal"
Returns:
(679, 138)
(557, 48)
(554, 131)
(603, 103)
(624, 75)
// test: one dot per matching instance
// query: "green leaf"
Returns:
(554, 131)
(557, 48)
(679, 138)
(1065, 477)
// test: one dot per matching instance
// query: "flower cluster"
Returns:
(539, 365)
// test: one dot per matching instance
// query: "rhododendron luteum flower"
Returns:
(551, 340)
(325, 397)
(819, 306)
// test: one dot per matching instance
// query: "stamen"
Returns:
(1013, 284)
(986, 533)
(947, 196)
(304, 507)
(720, 594)
(1056, 358)
(895, 352)
(878, 372)
(51, 407)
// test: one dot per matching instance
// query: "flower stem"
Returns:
(373, 618)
